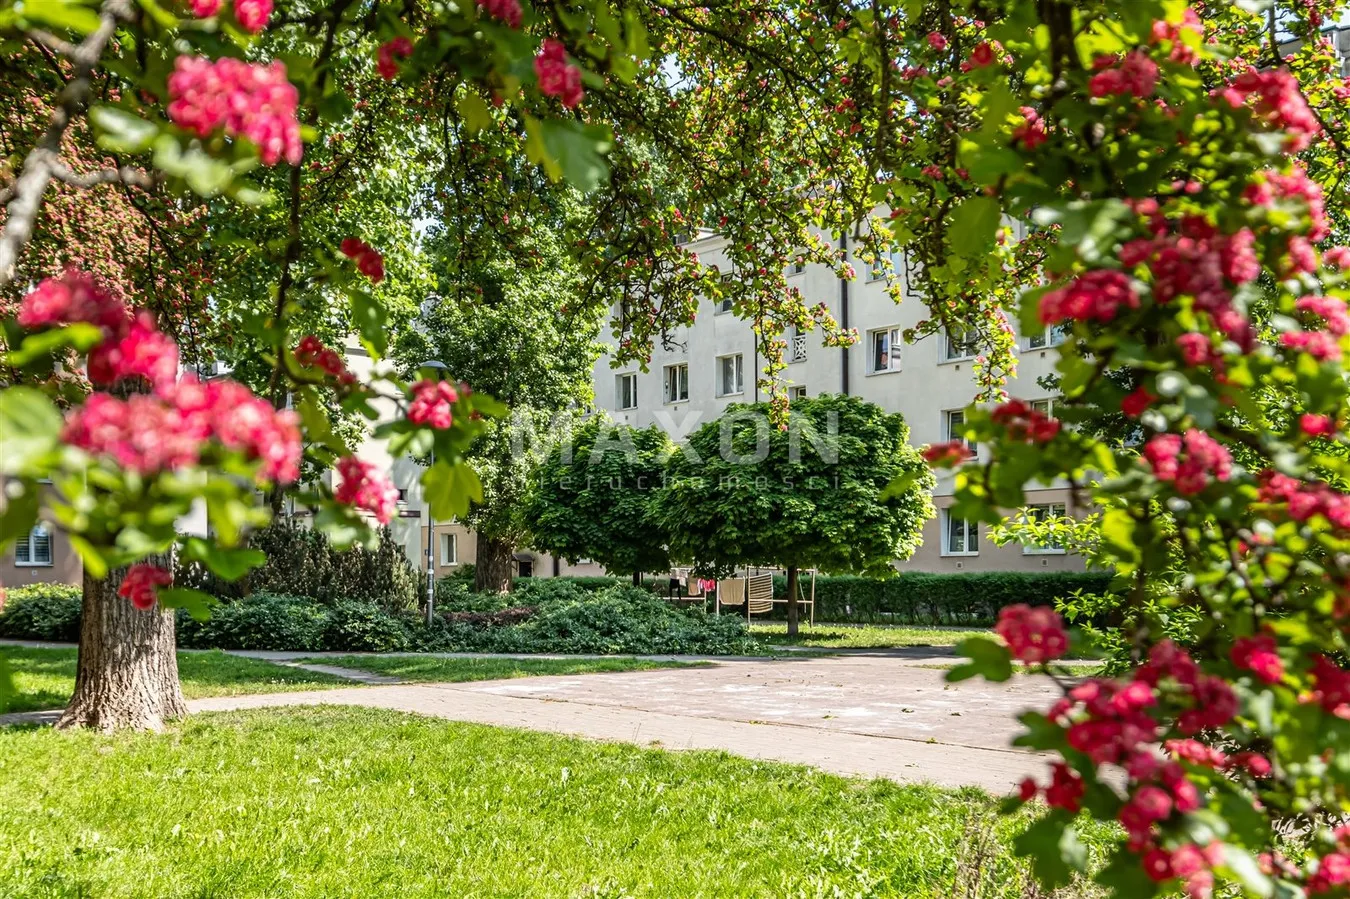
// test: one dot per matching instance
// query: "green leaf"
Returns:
(450, 489)
(579, 151)
(369, 318)
(1246, 871)
(229, 564)
(30, 427)
(974, 225)
(197, 603)
(62, 14)
(1042, 733)
(1054, 849)
(315, 420)
(1126, 877)
(988, 658)
(899, 484)
(121, 131)
(93, 559)
(473, 109)
(81, 335)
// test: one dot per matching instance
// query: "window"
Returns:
(797, 392)
(798, 268)
(34, 548)
(1051, 336)
(796, 345)
(730, 375)
(625, 315)
(626, 391)
(958, 345)
(525, 568)
(1041, 513)
(677, 382)
(403, 496)
(449, 550)
(960, 537)
(878, 270)
(1045, 406)
(954, 426)
(884, 347)
(724, 305)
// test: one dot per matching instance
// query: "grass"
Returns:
(433, 669)
(45, 678)
(335, 802)
(860, 636)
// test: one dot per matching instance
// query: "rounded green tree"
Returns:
(811, 495)
(591, 498)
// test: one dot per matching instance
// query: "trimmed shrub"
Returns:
(260, 621)
(356, 626)
(42, 612)
(924, 598)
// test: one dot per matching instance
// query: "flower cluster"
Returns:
(1304, 500)
(362, 485)
(1093, 296)
(1065, 790)
(1275, 99)
(507, 11)
(1188, 461)
(311, 353)
(74, 297)
(557, 77)
(368, 260)
(432, 404)
(141, 584)
(1137, 401)
(1271, 187)
(1175, 33)
(1031, 133)
(247, 100)
(1258, 655)
(390, 52)
(948, 454)
(252, 15)
(1331, 686)
(1024, 423)
(1034, 634)
(141, 350)
(1136, 74)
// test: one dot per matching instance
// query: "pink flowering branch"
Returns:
(44, 161)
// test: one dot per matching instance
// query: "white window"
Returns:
(724, 304)
(34, 549)
(1045, 407)
(677, 382)
(960, 537)
(449, 550)
(730, 375)
(958, 345)
(878, 270)
(1040, 513)
(798, 268)
(883, 350)
(797, 392)
(1051, 336)
(625, 390)
(796, 345)
(954, 426)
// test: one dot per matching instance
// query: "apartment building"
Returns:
(714, 363)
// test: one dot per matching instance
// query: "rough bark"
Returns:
(127, 675)
(492, 568)
(792, 610)
(637, 578)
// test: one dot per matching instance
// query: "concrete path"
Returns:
(867, 715)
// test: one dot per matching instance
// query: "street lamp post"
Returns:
(433, 369)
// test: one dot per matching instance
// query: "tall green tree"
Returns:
(812, 495)
(592, 498)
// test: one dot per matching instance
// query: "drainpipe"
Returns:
(843, 318)
(754, 372)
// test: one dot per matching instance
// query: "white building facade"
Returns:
(714, 363)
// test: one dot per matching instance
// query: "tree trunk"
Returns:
(792, 609)
(492, 568)
(637, 578)
(127, 675)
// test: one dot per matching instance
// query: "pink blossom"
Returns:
(432, 404)
(369, 262)
(1136, 74)
(1258, 655)
(74, 297)
(365, 487)
(507, 11)
(389, 54)
(557, 77)
(141, 584)
(1137, 401)
(143, 351)
(1034, 634)
(247, 100)
(1317, 425)
(141, 433)
(1188, 461)
(937, 41)
(1319, 344)
(252, 15)
(1024, 423)
(982, 55)
(1066, 788)
(1031, 133)
(1094, 296)
(205, 9)
(1275, 99)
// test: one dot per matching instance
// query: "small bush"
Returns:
(42, 612)
(546, 591)
(260, 621)
(356, 626)
(455, 594)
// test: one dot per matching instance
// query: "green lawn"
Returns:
(859, 636)
(332, 802)
(432, 669)
(45, 678)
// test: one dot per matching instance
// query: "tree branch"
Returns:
(44, 160)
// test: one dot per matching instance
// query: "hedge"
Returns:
(915, 597)
(42, 612)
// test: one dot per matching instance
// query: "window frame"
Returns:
(796, 346)
(740, 375)
(797, 392)
(1045, 405)
(948, 434)
(945, 349)
(453, 543)
(30, 547)
(893, 337)
(1047, 337)
(619, 381)
(666, 373)
(724, 304)
(970, 533)
(1029, 549)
